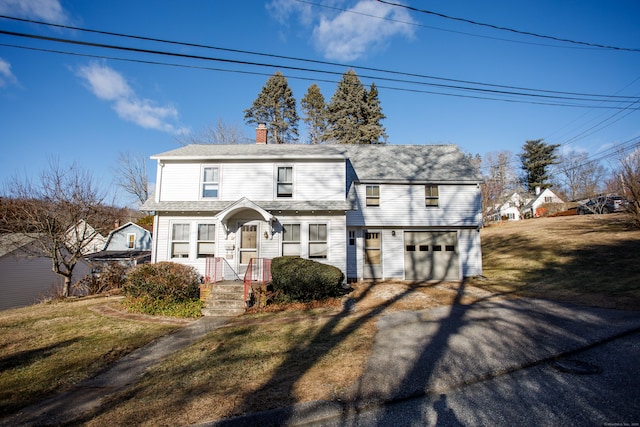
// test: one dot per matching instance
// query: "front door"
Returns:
(248, 248)
(372, 254)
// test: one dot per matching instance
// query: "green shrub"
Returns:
(303, 280)
(164, 281)
(157, 307)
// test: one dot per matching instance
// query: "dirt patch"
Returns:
(396, 295)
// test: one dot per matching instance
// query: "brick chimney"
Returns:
(261, 133)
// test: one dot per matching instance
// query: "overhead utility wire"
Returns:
(141, 61)
(430, 27)
(497, 27)
(188, 44)
(200, 57)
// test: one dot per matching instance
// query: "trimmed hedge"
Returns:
(304, 280)
(165, 281)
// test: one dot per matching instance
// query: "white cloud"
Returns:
(104, 82)
(347, 33)
(6, 76)
(46, 10)
(108, 84)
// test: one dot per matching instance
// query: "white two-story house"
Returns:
(374, 211)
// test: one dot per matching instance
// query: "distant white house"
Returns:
(92, 240)
(26, 275)
(534, 208)
(510, 209)
(520, 205)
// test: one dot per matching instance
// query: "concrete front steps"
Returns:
(224, 298)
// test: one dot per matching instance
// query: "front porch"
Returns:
(224, 293)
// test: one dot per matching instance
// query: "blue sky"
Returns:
(89, 109)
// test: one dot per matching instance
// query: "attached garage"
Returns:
(431, 255)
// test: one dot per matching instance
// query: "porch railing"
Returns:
(218, 269)
(258, 272)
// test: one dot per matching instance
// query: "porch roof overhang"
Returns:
(241, 205)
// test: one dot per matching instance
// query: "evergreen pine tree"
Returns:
(373, 130)
(276, 107)
(348, 111)
(536, 157)
(315, 114)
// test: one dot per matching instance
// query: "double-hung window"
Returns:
(317, 240)
(284, 184)
(431, 195)
(180, 241)
(373, 195)
(291, 240)
(210, 182)
(131, 240)
(206, 240)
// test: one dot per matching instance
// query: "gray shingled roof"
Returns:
(271, 206)
(375, 163)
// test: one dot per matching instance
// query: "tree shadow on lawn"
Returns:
(22, 360)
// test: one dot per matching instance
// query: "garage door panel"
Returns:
(431, 255)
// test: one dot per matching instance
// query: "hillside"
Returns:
(586, 259)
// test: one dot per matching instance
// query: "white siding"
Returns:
(270, 247)
(470, 251)
(180, 182)
(393, 254)
(404, 206)
(254, 180)
(320, 181)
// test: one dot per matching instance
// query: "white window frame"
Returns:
(278, 182)
(373, 199)
(318, 242)
(214, 183)
(205, 241)
(173, 241)
(429, 198)
(131, 243)
(292, 243)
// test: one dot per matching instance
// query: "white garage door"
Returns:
(431, 255)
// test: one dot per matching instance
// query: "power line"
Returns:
(497, 27)
(289, 76)
(319, 62)
(430, 27)
(563, 99)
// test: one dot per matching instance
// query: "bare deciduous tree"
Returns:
(579, 177)
(626, 182)
(500, 178)
(58, 209)
(221, 133)
(131, 175)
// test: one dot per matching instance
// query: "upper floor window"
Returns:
(131, 240)
(210, 181)
(180, 241)
(373, 195)
(317, 240)
(431, 195)
(206, 240)
(548, 199)
(290, 239)
(284, 185)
